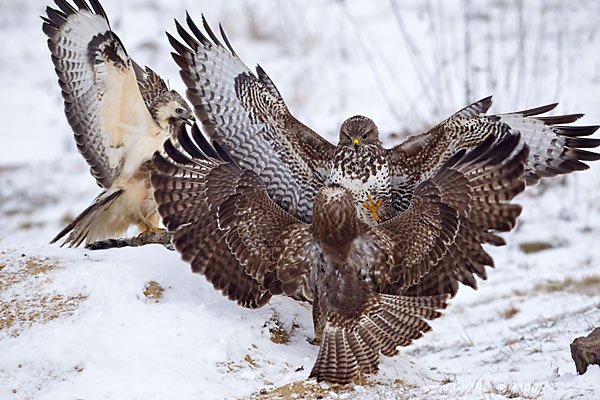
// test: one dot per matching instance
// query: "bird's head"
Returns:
(335, 219)
(171, 111)
(359, 132)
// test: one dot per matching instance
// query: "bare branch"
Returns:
(163, 238)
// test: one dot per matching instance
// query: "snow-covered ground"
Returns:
(136, 323)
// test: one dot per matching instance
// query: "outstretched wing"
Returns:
(225, 224)
(246, 115)
(479, 185)
(102, 101)
(554, 149)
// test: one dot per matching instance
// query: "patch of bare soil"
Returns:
(23, 300)
(153, 291)
(589, 286)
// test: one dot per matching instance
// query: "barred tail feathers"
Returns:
(388, 321)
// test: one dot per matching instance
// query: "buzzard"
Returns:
(227, 226)
(244, 113)
(120, 114)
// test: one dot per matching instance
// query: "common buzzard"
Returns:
(245, 114)
(227, 226)
(120, 114)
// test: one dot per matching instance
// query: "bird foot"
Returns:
(151, 229)
(315, 342)
(372, 206)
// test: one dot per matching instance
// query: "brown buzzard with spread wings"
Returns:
(244, 113)
(227, 226)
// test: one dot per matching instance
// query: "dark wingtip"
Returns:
(536, 110)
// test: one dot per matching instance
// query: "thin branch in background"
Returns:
(419, 65)
(559, 55)
(467, 43)
(438, 56)
(520, 52)
(510, 60)
(492, 81)
(370, 57)
(445, 36)
(537, 53)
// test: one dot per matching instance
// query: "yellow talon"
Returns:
(372, 206)
(147, 225)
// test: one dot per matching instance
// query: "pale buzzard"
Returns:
(120, 115)
(244, 113)
(229, 229)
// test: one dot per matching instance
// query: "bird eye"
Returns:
(364, 137)
(179, 110)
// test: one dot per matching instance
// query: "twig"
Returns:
(537, 55)
(163, 238)
(442, 34)
(521, 53)
(415, 56)
(381, 85)
(466, 7)
(559, 57)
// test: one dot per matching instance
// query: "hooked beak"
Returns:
(356, 144)
(190, 119)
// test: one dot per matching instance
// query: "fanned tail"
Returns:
(387, 322)
(88, 225)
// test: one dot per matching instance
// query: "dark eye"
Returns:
(365, 135)
(347, 136)
(179, 110)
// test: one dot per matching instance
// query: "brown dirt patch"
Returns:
(153, 291)
(25, 302)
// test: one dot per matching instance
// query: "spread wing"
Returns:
(554, 148)
(478, 186)
(246, 115)
(102, 101)
(225, 224)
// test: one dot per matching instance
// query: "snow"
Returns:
(89, 330)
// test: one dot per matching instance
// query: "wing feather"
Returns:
(152, 87)
(554, 148)
(467, 200)
(227, 226)
(102, 101)
(495, 177)
(246, 116)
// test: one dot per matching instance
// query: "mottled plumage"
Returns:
(229, 229)
(360, 164)
(118, 120)
(246, 115)
(554, 149)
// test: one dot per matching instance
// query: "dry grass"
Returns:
(312, 390)
(509, 312)
(296, 390)
(21, 309)
(589, 286)
(511, 341)
(513, 391)
(153, 291)
(239, 365)
(534, 247)
(279, 334)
